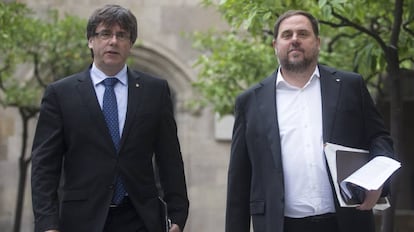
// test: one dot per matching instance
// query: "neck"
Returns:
(297, 79)
(110, 70)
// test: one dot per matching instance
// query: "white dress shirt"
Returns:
(121, 91)
(306, 181)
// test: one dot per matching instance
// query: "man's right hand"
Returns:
(371, 198)
(52, 231)
(175, 228)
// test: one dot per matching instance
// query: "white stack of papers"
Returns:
(352, 167)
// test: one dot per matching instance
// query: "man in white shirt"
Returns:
(278, 178)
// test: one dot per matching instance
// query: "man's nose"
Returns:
(295, 41)
(113, 37)
(295, 37)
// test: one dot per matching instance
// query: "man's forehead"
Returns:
(110, 26)
(296, 23)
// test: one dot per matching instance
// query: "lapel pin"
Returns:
(136, 85)
(338, 80)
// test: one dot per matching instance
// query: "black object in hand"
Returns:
(358, 193)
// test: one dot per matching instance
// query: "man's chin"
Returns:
(296, 66)
(113, 62)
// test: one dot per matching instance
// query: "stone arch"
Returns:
(158, 62)
(153, 60)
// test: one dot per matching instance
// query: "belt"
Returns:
(124, 203)
(318, 223)
(313, 219)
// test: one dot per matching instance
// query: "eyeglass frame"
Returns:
(107, 35)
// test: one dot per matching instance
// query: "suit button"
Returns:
(111, 186)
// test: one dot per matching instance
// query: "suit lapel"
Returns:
(88, 95)
(135, 91)
(330, 90)
(266, 99)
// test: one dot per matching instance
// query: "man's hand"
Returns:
(175, 228)
(52, 231)
(371, 198)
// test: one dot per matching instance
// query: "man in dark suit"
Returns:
(97, 135)
(277, 177)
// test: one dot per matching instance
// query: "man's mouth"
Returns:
(296, 50)
(111, 52)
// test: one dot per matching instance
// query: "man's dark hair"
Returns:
(110, 15)
(290, 13)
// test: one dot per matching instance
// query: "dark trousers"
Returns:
(319, 223)
(124, 218)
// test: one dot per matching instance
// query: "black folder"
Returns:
(347, 162)
(164, 215)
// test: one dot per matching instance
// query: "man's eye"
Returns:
(286, 35)
(122, 35)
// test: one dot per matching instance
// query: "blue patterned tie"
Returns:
(110, 111)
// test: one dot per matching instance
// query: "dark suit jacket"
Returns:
(72, 139)
(255, 175)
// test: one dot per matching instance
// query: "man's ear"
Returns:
(90, 43)
(274, 46)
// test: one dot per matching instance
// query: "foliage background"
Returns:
(355, 36)
(34, 52)
(374, 38)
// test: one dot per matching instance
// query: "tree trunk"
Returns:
(396, 119)
(25, 115)
(20, 194)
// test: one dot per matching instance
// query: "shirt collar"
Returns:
(98, 76)
(280, 81)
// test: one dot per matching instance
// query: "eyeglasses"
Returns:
(106, 35)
